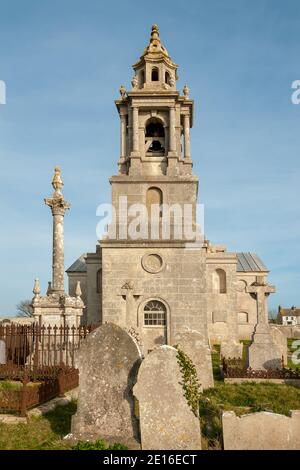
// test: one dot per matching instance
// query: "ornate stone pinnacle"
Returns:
(78, 291)
(122, 92)
(186, 91)
(57, 203)
(36, 287)
(154, 33)
(57, 182)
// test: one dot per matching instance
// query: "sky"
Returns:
(63, 62)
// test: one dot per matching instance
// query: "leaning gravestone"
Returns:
(2, 352)
(108, 362)
(197, 348)
(166, 420)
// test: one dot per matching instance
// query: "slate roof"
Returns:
(249, 262)
(246, 262)
(289, 312)
(79, 266)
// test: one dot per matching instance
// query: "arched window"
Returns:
(154, 74)
(99, 281)
(155, 136)
(155, 314)
(154, 197)
(219, 281)
(167, 78)
(243, 318)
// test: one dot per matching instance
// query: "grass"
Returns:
(242, 398)
(42, 433)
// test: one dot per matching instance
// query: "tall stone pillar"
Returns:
(186, 130)
(58, 207)
(57, 308)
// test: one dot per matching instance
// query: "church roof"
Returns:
(79, 266)
(250, 262)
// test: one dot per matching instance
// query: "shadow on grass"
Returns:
(60, 418)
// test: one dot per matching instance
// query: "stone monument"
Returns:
(197, 348)
(108, 361)
(2, 352)
(166, 419)
(57, 307)
(264, 353)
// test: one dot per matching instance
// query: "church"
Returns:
(160, 286)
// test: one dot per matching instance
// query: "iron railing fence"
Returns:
(38, 346)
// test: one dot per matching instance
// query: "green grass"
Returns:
(42, 433)
(242, 398)
(46, 433)
(10, 385)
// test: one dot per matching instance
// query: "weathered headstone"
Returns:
(166, 419)
(197, 348)
(263, 353)
(280, 340)
(231, 348)
(2, 352)
(261, 431)
(108, 362)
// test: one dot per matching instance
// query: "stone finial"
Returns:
(78, 291)
(49, 290)
(154, 33)
(57, 182)
(134, 82)
(186, 91)
(122, 92)
(36, 288)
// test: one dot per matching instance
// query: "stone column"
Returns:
(186, 130)
(135, 128)
(172, 140)
(123, 136)
(58, 207)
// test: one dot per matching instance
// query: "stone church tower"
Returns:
(154, 272)
(154, 284)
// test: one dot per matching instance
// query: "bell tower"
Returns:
(155, 119)
(152, 282)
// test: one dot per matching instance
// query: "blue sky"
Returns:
(63, 62)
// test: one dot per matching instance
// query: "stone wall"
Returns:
(93, 265)
(221, 306)
(179, 285)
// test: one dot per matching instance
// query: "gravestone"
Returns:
(261, 431)
(197, 348)
(281, 341)
(166, 420)
(2, 352)
(264, 353)
(108, 361)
